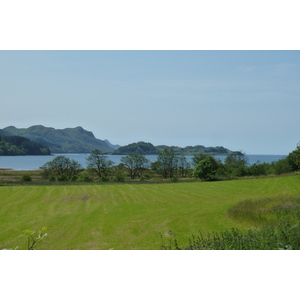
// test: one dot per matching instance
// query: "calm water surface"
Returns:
(35, 162)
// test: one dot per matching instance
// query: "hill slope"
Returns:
(16, 145)
(69, 140)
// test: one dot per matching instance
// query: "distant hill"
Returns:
(69, 140)
(17, 145)
(138, 148)
(148, 149)
(191, 150)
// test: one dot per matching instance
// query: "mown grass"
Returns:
(129, 216)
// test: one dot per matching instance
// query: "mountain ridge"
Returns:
(79, 140)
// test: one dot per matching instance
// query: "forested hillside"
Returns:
(16, 145)
(69, 140)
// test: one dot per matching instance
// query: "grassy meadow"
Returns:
(129, 216)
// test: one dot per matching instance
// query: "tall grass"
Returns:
(268, 211)
(283, 236)
(276, 225)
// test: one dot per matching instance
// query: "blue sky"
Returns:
(242, 100)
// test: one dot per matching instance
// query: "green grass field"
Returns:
(128, 216)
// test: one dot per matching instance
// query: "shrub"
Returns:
(51, 178)
(84, 178)
(26, 177)
(119, 177)
(62, 177)
(282, 166)
(74, 178)
(144, 177)
(104, 178)
(174, 179)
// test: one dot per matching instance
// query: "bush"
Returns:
(74, 178)
(104, 178)
(51, 178)
(144, 177)
(119, 177)
(174, 179)
(62, 177)
(84, 178)
(282, 166)
(26, 177)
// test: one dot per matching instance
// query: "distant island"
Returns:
(79, 140)
(148, 149)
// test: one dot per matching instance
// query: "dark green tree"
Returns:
(282, 166)
(61, 166)
(236, 164)
(98, 164)
(167, 163)
(198, 157)
(206, 168)
(135, 164)
(294, 158)
(183, 166)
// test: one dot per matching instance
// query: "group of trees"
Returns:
(136, 164)
(66, 169)
(167, 165)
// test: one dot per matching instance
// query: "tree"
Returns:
(135, 164)
(206, 168)
(183, 166)
(236, 163)
(282, 166)
(167, 163)
(198, 157)
(98, 164)
(61, 166)
(294, 158)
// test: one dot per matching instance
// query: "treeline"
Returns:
(167, 166)
(16, 145)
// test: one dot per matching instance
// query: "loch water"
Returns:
(34, 162)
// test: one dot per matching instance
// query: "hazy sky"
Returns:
(242, 100)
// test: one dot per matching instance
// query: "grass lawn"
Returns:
(128, 216)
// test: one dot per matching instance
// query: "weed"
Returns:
(32, 239)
